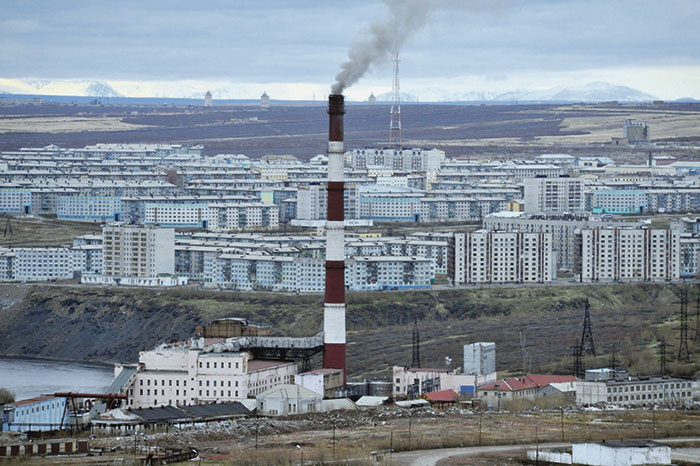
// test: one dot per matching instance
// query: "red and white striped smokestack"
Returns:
(334, 308)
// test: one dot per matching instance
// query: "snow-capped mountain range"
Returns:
(591, 92)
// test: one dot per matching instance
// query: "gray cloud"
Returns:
(305, 40)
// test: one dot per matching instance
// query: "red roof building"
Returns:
(527, 386)
(441, 398)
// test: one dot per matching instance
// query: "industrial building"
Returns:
(480, 358)
(411, 382)
(635, 391)
(195, 373)
(42, 413)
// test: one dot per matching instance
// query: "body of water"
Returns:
(28, 378)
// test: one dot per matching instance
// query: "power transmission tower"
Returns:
(683, 353)
(662, 355)
(416, 344)
(697, 316)
(614, 362)
(578, 369)
(587, 344)
(395, 122)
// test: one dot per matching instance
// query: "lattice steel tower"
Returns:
(683, 353)
(415, 360)
(395, 122)
(587, 345)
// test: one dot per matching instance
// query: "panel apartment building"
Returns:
(495, 257)
(626, 255)
(564, 229)
(562, 195)
(138, 251)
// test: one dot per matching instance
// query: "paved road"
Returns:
(431, 457)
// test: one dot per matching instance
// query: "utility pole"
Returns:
(333, 439)
(481, 413)
(562, 424)
(391, 445)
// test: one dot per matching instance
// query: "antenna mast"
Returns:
(395, 123)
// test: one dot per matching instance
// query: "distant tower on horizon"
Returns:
(264, 100)
(207, 99)
(372, 99)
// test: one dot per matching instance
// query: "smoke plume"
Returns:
(382, 39)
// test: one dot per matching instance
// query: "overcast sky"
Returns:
(499, 45)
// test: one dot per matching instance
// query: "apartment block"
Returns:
(16, 201)
(89, 208)
(554, 195)
(624, 255)
(42, 264)
(138, 251)
(388, 273)
(563, 228)
(495, 257)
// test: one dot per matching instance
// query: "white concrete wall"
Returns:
(602, 455)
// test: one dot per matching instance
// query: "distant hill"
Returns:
(100, 89)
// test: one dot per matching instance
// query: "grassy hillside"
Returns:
(113, 324)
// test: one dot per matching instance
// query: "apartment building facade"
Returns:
(628, 255)
(138, 251)
(560, 195)
(496, 257)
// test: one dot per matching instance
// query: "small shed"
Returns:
(373, 401)
(441, 398)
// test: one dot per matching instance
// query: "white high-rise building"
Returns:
(625, 255)
(554, 195)
(138, 251)
(496, 257)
